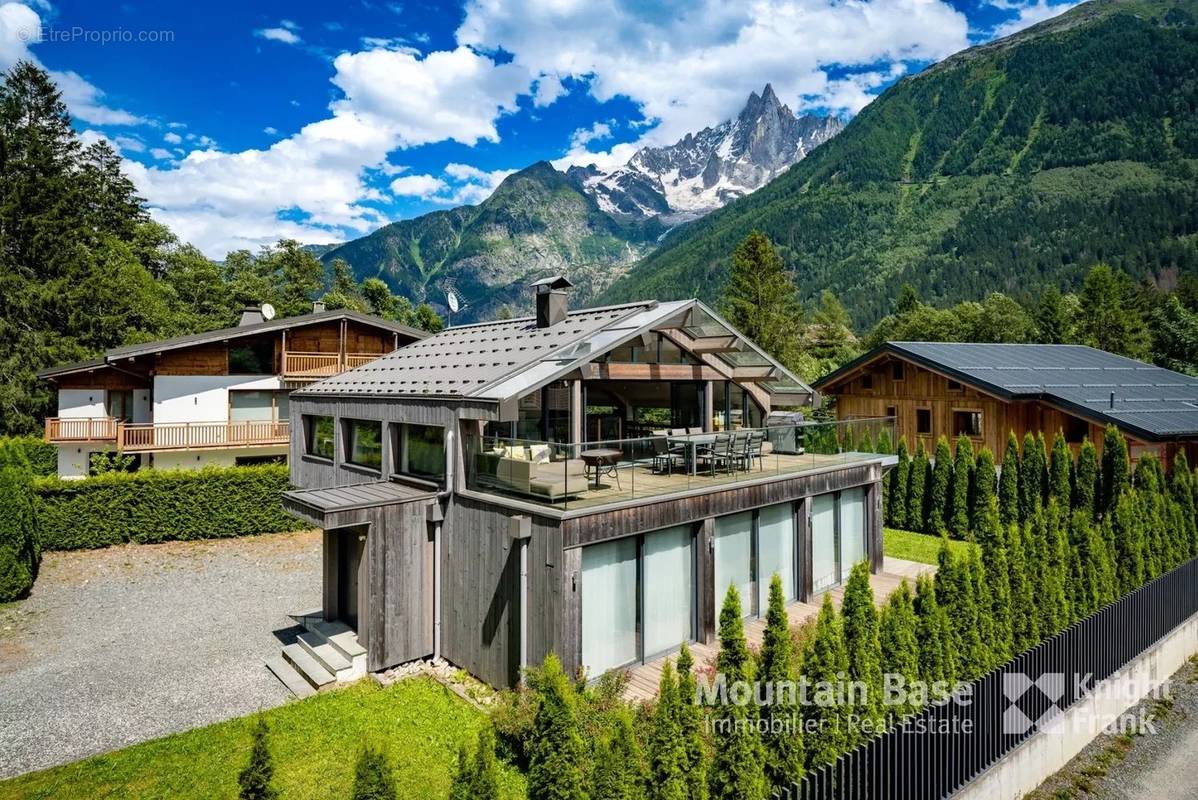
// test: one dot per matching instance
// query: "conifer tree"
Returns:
(617, 772)
(826, 662)
(985, 482)
(1024, 617)
(1085, 483)
(864, 650)
(782, 734)
(897, 506)
(990, 647)
(690, 722)
(962, 489)
(997, 579)
(1060, 471)
(917, 481)
(737, 770)
(20, 549)
(761, 299)
(937, 654)
(557, 756)
(866, 443)
(938, 505)
(1116, 469)
(255, 779)
(1031, 477)
(898, 639)
(373, 779)
(957, 594)
(667, 750)
(1081, 582)
(1054, 604)
(1008, 483)
(1182, 489)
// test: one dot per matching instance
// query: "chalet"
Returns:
(209, 398)
(584, 482)
(983, 391)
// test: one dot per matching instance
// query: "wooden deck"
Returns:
(643, 679)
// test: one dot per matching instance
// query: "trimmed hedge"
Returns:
(163, 505)
(42, 456)
(20, 553)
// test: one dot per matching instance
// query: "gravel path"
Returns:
(130, 643)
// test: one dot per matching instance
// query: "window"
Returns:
(967, 423)
(867, 382)
(256, 357)
(364, 443)
(421, 452)
(609, 595)
(898, 370)
(318, 436)
(734, 558)
(1076, 429)
(852, 530)
(669, 593)
(118, 404)
(891, 411)
(824, 552)
(251, 406)
(955, 386)
(923, 421)
(776, 551)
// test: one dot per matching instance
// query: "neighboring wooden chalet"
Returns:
(984, 391)
(209, 398)
(583, 482)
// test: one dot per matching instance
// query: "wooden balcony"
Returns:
(315, 366)
(143, 437)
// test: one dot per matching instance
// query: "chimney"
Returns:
(251, 315)
(317, 306)
(551, 300)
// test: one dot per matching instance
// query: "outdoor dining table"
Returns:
(691, 444)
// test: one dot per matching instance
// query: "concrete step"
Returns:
(342, 637)
(325, 653)
(309, 667)
(290, 678)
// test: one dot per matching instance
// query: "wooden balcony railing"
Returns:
(82, 429)
(140, 437)
(315, 366)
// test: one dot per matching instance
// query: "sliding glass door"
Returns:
(776, 552)
(609, 605)
(852, 530)
(669, 589)
(825, 572)
(734, 559)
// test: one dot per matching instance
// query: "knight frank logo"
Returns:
(1031, 703)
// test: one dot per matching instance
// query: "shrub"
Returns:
(42, 456)
(557, 754)
(939, 499)
(20, 548)
(163, 505)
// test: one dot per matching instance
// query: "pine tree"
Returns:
(1060, 470)
(917, 482)
(737, 771)
(1116, 469)
(484, 780)
(373, 779)
(963, 489)
(899, 481)
(761, 300)
(782, 733)
(897, 637)
(985, 482)
(1085, 483)
(617, 772)
(937, 654)
(864, 651)
(556, 763)
(1024, 617)
(667, 751)
(255, 779)
(690, 723)
(1112, 320)
(826, 662)
(1008, 483)
(938, 505)
(1031, 478)
(993, 541)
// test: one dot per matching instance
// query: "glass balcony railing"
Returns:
(586, 474)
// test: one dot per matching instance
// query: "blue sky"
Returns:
(242, 123)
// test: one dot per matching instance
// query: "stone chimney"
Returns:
(551, 300)
(251, 315)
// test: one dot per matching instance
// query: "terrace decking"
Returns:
(644, 678)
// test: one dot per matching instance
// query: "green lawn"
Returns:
(315, 744)
(917, 546)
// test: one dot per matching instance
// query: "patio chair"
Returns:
(719, 454)
(665, 455)
(753, 449)
(693, 431)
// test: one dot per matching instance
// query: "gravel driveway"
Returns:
(134, 642)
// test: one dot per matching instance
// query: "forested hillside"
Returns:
(1012, 166)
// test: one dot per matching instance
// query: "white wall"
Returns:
(74, 459)
(80, 403)
(141, 405)
(197, 459)
(202, 398)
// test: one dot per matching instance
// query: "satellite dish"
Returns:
(451, 297)
(268, 311)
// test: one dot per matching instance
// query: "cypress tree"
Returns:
(963, 489)
(617, 774)
(938, 506)
(1054, 605)
(373, 779)
(1085, 483)
(866, 443)
(1024, 622)
(1008, 482)
(985, 482)
(1059, 471)
(1081, 580)
(897, 506)
(937, 655)
(988, 644)
(997, 579)
(848, 441)
(557, 756)
(255, 779)
(1116, 469)
(1031, 478)
(1153, 537)
(957, 594)
(667, 750)
(737, 771)
(864, 651)
(825, 663)
(917, 482)
(1182, 489)
(782, 733)
(897, 637)
(690, 722)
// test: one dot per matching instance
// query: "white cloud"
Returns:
(853, 92)
(176, 125)
(582, 136)
(1027, 14)
(548, 89)
(270, 130)
(20, 26)
(282, 34)
(161, 154)
(130, 144)
(422, 186)
(172, 138)
(474, 185)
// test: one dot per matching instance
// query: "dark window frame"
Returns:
(350, 431)
(919, 431)
(898, 371)
(975, 429)
(311, 437)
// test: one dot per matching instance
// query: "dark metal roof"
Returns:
(358, 495)
(1149, 401)
(223, 334)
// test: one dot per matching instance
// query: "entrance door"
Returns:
(350, 544)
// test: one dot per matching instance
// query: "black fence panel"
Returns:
(934, 753)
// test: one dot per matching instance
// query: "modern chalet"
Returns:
(983, 391)
(584, 482)
(210, 398)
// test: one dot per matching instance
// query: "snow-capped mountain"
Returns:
(703, 171)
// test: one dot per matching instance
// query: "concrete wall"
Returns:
(81, 403)
(202, 398)
(1026, 767)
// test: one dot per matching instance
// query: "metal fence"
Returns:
(934, 753)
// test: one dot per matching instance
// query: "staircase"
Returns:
(324, 655)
